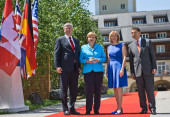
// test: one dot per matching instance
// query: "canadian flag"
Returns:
(9, 46)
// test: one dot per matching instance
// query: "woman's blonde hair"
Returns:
(114, 32)
(91, 34)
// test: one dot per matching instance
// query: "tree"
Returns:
(53, 14)
(2, 4)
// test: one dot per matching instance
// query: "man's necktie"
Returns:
(72, 45)
(138, 46)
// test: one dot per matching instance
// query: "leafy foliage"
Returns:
(2, 4)
(53, 14)
(46, 103)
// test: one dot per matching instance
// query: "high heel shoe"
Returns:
(118, 113)
(114, 111)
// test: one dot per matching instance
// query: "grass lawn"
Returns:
(1, 112)
(33, 107)
(46, 103)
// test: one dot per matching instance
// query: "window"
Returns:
(140, 21)
(145, 36)
(109, 24)
(161, 67)
(105, 38)
(122, 6)
(159, 20)
(104, 8)
(160, 49)
(161, 35)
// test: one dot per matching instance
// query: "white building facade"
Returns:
(154, 25)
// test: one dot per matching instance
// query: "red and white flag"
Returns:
(9, 46)
(35, 23)
(17, 15)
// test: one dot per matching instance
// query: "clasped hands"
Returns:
(92, 60)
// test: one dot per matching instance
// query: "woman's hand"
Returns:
(121, 72)
(93, 60)
(90, 60)
(96, 60)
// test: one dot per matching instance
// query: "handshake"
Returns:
(92, 60)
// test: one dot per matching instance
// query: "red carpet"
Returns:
(130, 105)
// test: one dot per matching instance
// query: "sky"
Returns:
(142, 5)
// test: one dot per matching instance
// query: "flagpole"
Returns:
(22, 19)
(11, 91)
(23, 15)
(15, 8)
(31, 5)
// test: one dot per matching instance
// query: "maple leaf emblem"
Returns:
(15, 29)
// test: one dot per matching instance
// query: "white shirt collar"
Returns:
(68, 36)
(69, 40)
(139, 41)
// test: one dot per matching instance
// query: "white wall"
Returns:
(130, 5)
(96, 7)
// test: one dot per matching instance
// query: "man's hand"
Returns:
(154, 71)
(79, 70)
(59, 70)
(133, 76)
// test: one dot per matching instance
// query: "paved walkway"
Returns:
(162, 105)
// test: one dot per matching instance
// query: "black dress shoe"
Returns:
(66, 113)
(74, 113)
(96, 112)
(153, 111)
(87, 112)
(144, 111)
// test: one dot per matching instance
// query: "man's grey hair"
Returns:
(68, 24)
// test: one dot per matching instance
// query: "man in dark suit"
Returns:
(66, 60)
(143, 67)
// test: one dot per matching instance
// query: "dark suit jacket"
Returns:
(64, 56)
(144, 61)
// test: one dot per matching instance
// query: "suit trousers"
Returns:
(145, 85)
(69, 80)
(93, 83)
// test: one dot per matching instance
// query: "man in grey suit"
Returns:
(66, 60)
(143, 67)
